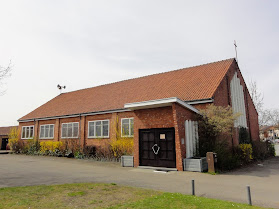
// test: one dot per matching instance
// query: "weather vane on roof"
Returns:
(235, 50)
(60, 88)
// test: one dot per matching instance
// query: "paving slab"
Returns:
(263, 178)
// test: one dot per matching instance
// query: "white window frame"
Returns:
(129, 127)
(45, 132)
(29, 137)
(76, 137)
(102, 135)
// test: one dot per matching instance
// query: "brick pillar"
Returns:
(57, 129)
(36, 129)
(19, 131)
(179, 159)
(136, 141)
(114, 126)
(82, 131)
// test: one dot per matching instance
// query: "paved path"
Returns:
(21, 170)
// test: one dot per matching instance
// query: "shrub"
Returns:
(260, 151)
(54, 148)
(271, 149)
(71, 146)
(104, 152)
(246, 152)
(227, 158)
(122, 147)
(89, 151)
(32, 147)
(244, 137)
(16, 145)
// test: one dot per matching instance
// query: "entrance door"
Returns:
(4, 144)
(157, 147)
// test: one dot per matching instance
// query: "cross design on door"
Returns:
(155, 151)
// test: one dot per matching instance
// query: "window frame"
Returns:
(102, 132)
(29, 137)
(129, 127)
(45, 132)
(67, 137)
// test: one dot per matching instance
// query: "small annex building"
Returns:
(4, 136)
(158, 111)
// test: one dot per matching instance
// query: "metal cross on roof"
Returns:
(235, 46)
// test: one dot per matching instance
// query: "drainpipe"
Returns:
(34, 129)
(79, 129)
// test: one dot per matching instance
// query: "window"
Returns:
(70, 130)
(27, 132)
(98, 129)
(127, 127)
(47, 131)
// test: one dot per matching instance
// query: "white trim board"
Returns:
(159, 103)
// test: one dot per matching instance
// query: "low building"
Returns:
(158, 111)
(4, 136)
(269, 132)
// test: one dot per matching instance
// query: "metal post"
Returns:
(249, 195)
(193, 187)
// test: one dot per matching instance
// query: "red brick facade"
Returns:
(222, 97)
(173, 116)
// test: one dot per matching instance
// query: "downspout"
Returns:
(34, 129)
(79, 129)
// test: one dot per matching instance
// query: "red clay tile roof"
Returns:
(4, 131)
(193, 83)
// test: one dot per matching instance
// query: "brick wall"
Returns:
(150, 118)
(222, 97)
(164, 117)
(180, 114)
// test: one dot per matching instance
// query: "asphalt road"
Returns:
(21, 170)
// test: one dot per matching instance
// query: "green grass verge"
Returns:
(88, 195)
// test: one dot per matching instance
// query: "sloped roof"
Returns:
(193, 83)
(6, 130)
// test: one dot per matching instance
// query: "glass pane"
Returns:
(105, 122)
(31, 132)
(125, 129)
(51, 130)
(132, 129)
(42, 132)
(75, 130)
(47, 131)
(23, 132)
(91, 129)
(27, 132)
(125, 121)
(98, 130)
(64, 130)
(98, 123)
(105, 129)
(70, 130)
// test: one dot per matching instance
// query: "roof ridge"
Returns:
(148, 75)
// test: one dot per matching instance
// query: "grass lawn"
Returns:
(89, 195)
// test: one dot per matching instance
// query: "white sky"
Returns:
(82, 44)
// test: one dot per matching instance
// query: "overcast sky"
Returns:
(82, 44)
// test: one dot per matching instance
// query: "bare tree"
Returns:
(274, 117)
(266, 116)
(256, 95)
(4, 72)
